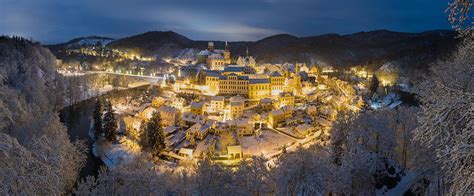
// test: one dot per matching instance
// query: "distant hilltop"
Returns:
(372, 47)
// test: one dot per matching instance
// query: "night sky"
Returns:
(53, 21)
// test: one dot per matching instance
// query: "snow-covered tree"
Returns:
(110, 123)
(304, 172)
(97, 117)
(460, 16)
(253, 177)
(403, 122)
(134, 178)
(37, 156)
(153, 137)
(212, 179)
(374, 84)
(446, 124)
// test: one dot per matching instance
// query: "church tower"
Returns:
(297, 78)
(227, 54)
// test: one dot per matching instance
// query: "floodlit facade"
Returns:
(169, 115)
(215, 58)
(277, 118)
(286, 99)
(198, 108)
(259, 88)
(216, 103)
(233, 84)
(236, 107)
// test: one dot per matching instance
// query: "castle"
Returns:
(215, 59)
(222, 78)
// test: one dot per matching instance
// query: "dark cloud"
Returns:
(60, 20)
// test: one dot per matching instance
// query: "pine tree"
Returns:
(374, 84)
(110, 123)
(97, 116)
(153, 137)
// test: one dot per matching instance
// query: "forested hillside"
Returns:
(36, 154)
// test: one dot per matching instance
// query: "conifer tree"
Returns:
(153, 137)
(110, 123)
(97, 116)
(374, 84)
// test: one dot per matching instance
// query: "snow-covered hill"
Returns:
(89, 41)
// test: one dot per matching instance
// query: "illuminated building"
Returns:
(189, 72)
(234, 152)
(236, 107)
(276, 82)
(186, 152)
(304, 68)
(216, 103)
(214, 58)
(227, 54)
(286, 99)
(298, 87)
(259, 88)
(216, 61)
(212, 82)
(266, 104)
(198, 108)
(242, 126)
(233, 84)
(178, 102)
(277, 118)
(169, 115)
(247, 60)
(198, 131)
(189, 119)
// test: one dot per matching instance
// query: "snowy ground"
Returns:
(401, 187)
(268, 143)
(114, 154)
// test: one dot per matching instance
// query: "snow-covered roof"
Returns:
(196, 127)
(216, 56)
(219, 51)
(286, 94)
(217, 98)
(275, 74)
(197, 104)
(168, 109)
(149, 111)
(266, 100)
(259, 81)
(212, 73)
(287, 108)
(204, 53)
(236, 103)
(207, 125)
(237, 99)
(190, 117)
(277, 112)
(186, 151)
(170, 129)
(303, 127)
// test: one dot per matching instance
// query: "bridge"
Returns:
(152, 79)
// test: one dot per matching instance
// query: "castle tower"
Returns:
(210, 46)
(226, 54)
